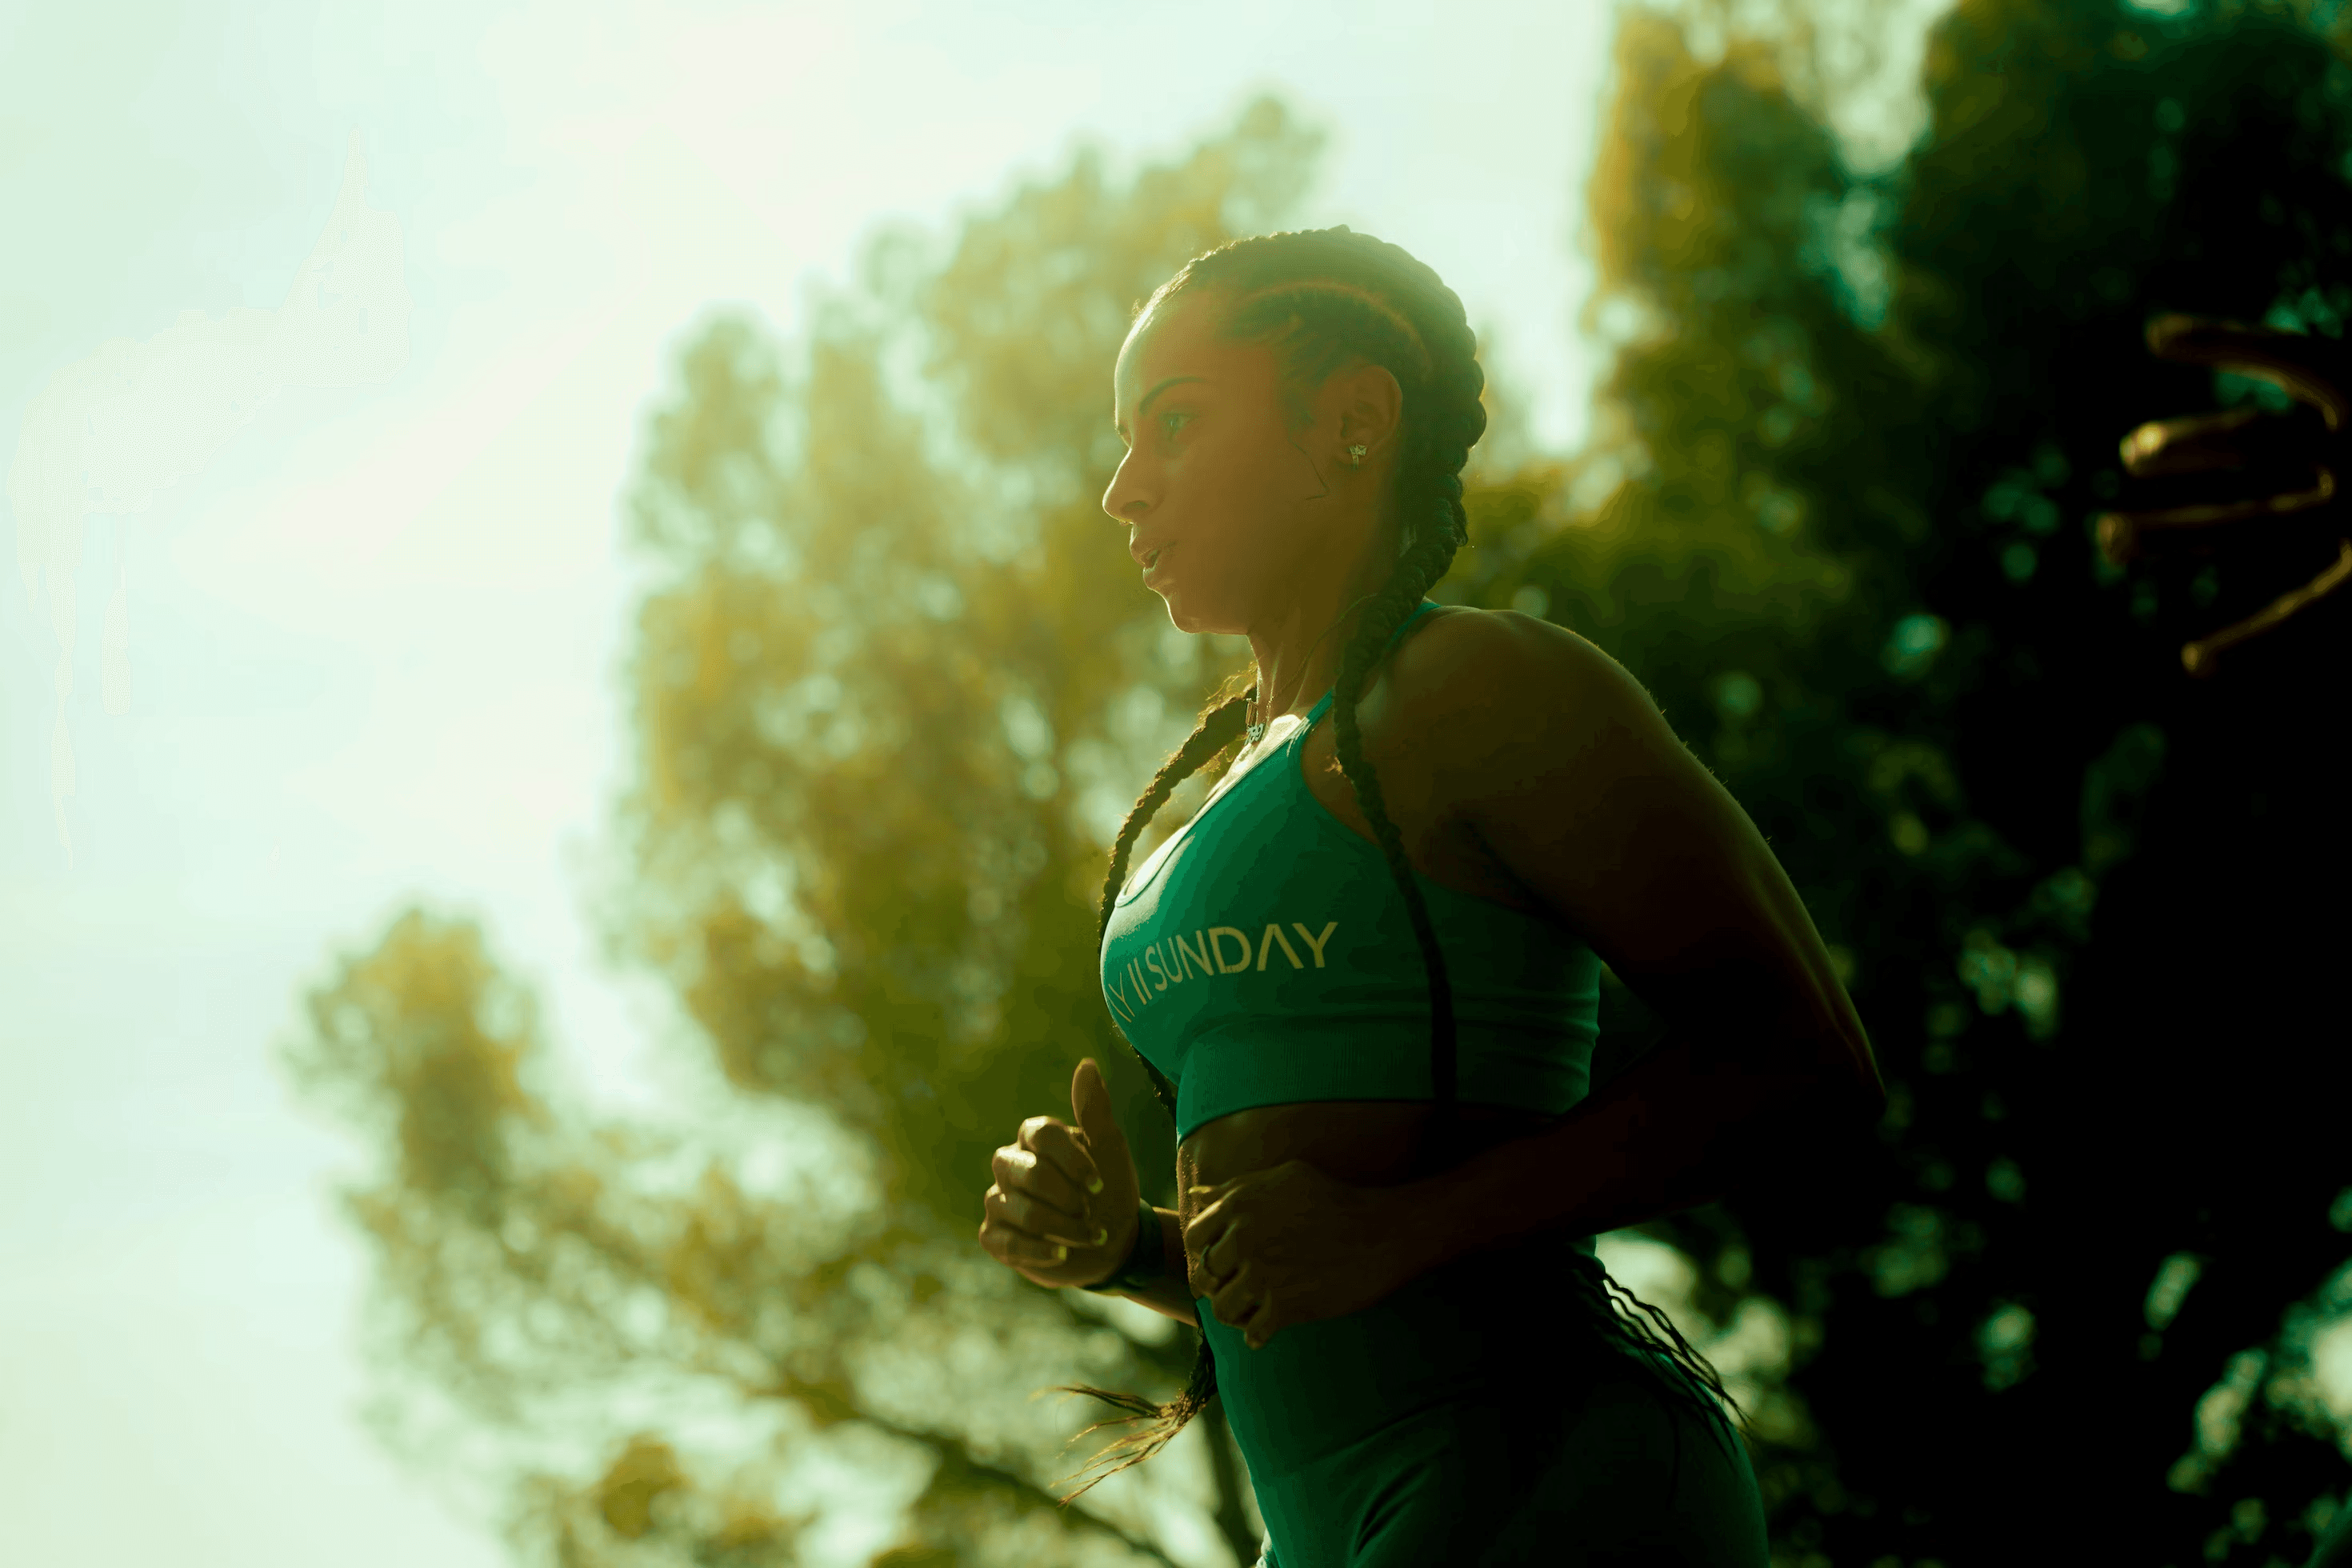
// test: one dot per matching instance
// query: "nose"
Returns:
(1125, 502)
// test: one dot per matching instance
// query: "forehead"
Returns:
(1175, 337)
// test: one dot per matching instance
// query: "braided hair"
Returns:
(1320, 298)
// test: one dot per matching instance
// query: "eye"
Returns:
(1172, 413)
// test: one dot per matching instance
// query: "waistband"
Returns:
(1499, 1319)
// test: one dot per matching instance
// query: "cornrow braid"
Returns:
(1322, 298)
(1421, 566)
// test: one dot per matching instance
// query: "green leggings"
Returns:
(1479, 1415)
(1465, 1484)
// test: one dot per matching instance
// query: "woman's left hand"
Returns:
(1290, 1244)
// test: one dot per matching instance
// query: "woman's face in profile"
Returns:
(1222, 502)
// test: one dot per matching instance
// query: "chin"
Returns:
(1188, 614)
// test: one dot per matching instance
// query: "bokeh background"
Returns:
(567, 684)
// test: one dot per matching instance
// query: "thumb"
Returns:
(1090, 1107)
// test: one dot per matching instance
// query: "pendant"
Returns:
(1256, 733)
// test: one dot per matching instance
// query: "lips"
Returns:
(1147, 556)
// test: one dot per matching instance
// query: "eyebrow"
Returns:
(1122, 430)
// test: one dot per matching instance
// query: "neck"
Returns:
(1300, 647)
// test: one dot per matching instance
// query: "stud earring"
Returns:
(1355, 456)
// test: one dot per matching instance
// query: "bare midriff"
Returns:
(1363, 1143)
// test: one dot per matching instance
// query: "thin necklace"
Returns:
(1256, 728)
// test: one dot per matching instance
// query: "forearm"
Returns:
(1675, 1130)
(1170, 1293)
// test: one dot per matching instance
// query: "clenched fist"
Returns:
(1063, 1211)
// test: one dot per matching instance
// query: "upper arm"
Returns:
(1570, 775)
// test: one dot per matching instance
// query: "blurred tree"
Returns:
(1838, 520)
(893, 686)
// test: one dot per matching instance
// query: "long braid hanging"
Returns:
(1217, 729)
(1323, 296)
(1421, 566)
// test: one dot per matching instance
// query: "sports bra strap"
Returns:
(1324, 705)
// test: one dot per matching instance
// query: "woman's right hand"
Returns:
(1062, 1210)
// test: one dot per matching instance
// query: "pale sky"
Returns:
(364, 644)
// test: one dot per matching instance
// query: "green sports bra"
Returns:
(1262, 956)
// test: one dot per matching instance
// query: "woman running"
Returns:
(1364, 977)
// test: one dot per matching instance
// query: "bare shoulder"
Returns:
(1485, 679)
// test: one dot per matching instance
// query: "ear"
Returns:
(1367, 405)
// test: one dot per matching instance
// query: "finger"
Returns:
(1018, 1212)
(1031, 1171)
(1013, 1244)
(2124, 535)
(1053, 1141)
(1018, 1170)
(1204, 1230)
(1021, 1211)
(1090, 1105)
(1236, 1298)
(1206, 1200)
(2308, 368)
(1216, 1278)
(1010, 1245)
(1005, 1244)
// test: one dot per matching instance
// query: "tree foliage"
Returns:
(2071, 890)
(895, 683)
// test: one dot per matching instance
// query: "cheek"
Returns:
(1251, 522)
(1235, 553)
